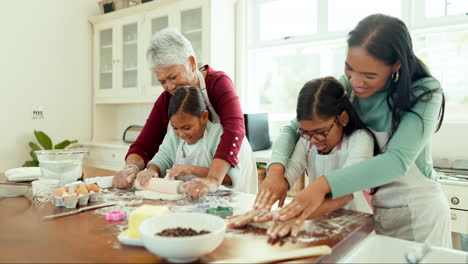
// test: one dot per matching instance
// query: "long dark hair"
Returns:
(326, 98)
(387, 39)
(188, 100)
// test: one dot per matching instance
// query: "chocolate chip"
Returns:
(181, 232)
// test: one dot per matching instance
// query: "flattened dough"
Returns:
(267, 225)
(153, 195)
(264, 225)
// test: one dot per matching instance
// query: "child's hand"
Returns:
(254, 215)
(281, 229)
(272, 189)
(179, 170)
(145, 175)
(306, 201)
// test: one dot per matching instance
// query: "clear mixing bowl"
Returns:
(64, 165)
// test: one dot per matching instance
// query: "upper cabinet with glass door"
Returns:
(105, 58)
(192, 29)
(157, 20)
(130, 56)
(117, 60)
(187, 19)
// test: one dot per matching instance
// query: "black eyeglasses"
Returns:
(317, 136)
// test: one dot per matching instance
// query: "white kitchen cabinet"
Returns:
(457, 196)
(106, 156)
(125, 89)
(454, 185)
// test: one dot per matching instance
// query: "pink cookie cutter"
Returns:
(115, 215)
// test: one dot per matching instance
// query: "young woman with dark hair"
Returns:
(394, 95)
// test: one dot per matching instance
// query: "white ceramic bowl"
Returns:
(182, 249)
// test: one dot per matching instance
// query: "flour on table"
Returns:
(153, 195)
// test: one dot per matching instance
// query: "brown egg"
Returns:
(82, 190)
(71, 196)
(59, 192)
(86, 186)
(93, 187)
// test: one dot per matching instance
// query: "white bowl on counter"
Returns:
(182, 249)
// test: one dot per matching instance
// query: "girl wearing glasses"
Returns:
(396, 96)
(332, 137)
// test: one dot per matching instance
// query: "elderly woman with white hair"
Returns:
(172, 59)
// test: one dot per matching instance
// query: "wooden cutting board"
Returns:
(340, 230)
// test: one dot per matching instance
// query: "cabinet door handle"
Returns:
(455, 200)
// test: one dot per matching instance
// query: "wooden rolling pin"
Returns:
(292, 254)
(162, 185)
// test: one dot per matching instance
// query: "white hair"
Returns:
(168, 47)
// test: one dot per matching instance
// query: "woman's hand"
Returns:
(124, 179)
(273, 188)
(282, 229)
(145, 175)
(306, 201)
(179, 170)
(199, 187)
(254, 215)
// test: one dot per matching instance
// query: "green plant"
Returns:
(46, 143)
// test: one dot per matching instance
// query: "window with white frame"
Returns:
(288, 42)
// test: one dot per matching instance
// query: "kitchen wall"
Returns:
(46, 60)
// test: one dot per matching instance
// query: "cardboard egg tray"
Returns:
(75, 195)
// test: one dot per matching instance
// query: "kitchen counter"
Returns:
(384, 249)
(87, 237)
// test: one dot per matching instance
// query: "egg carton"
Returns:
(76, 193)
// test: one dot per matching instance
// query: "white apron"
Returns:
(199, 155)
(248, 179)
(412, 207)
(318, 165)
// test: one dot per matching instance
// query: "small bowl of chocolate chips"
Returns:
(182, 237)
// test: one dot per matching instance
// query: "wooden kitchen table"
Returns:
(88, 238)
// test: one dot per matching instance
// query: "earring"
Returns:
(395, 76)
